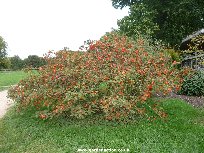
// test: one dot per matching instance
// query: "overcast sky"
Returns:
(33, 27)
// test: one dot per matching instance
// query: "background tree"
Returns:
(175, 19)
(3, 60)
(140, 20)
(34, 61)
(5, 63)
(16, 63)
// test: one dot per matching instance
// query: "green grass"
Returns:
(182, 133)
(10, 78)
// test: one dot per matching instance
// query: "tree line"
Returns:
(15, 62)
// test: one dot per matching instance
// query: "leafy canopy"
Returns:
(3, 46)
(16, 63)
(34, 61)
(169, 21)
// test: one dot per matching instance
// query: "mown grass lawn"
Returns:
(9, 78)
(182, 133)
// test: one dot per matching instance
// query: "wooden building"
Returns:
(193, 48)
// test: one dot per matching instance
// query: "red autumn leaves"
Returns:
(115, 78)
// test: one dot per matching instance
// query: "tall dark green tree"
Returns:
(34, 61)
(3, 46)
(16, 63)
(167, 20)
(3, 53)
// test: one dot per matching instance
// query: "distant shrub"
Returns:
(114, 78)
(193, 84)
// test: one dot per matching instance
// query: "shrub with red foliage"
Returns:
(115, 78)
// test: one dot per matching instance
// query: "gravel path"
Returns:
(5, 103)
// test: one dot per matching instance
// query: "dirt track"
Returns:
(5, 103)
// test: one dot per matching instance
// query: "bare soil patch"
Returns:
(5, 103)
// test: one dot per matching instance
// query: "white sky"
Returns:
(33, 27)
